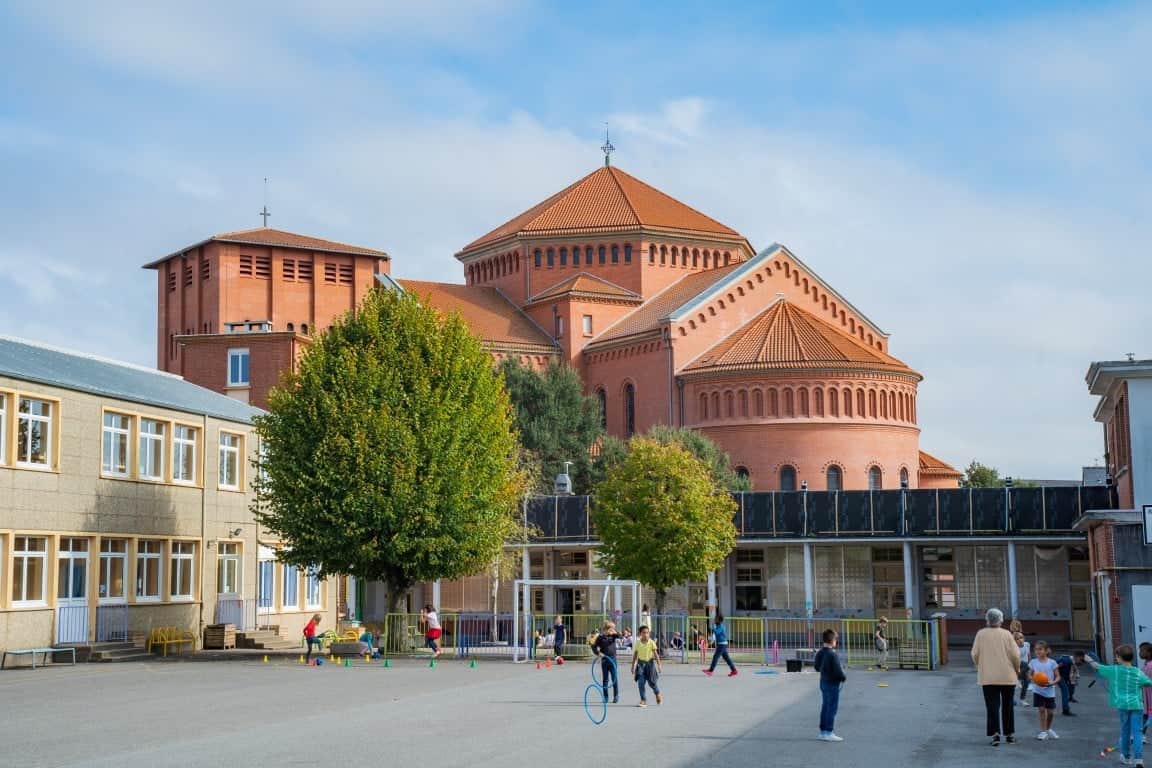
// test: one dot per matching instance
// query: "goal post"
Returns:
(521, 596)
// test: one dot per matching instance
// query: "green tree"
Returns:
(977, 475)
(390, 453)
(556, 421)
(613, 451)
(662, 518)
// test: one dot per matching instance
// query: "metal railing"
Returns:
(232, 610)
(72, 624)
(112, 623)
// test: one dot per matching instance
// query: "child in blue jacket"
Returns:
(720, 632)
(832, 677)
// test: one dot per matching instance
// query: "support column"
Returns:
(809, 584)
(911, 600)
(436, 595)
(526, 568)
(711, 593)
(1013, 599)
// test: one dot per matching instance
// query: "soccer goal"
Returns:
(522, 626)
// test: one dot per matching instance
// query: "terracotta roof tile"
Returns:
(649, 316)
(785, 336)
(588, 285)
(930, 465)
(486, 311)
(278, 237)
(607, 200)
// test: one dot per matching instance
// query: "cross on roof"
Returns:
(607, 149)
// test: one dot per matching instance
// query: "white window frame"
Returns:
(182, 552)
(144, 451)
(244, 357)
(290, 587)
(229, 557)
(182, 444)
(110, 437)
(227, 450)
(20, 558)
(46, 423)
(104, 577)
(313, 589)
(69, 550)
(587, 324)
(142, 558)
(3, 429)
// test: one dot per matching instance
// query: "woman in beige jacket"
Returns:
(997, 661)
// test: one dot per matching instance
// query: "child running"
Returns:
(1126, 684)
(432, 631)
(310, 636)
(720, 632)
(881, 638)
(832, 677)
(1044, 675)
(605, 648)
(646, 666)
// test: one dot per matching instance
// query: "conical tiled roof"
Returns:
(588, 285)
(608, 200)
(786, 337)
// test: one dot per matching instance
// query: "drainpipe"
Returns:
(671, 375)
(680, 396)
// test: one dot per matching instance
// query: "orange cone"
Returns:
(537, 665)
(548, 663)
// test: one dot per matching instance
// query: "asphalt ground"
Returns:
(248, 713)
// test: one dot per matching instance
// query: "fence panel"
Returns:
(855, 513)
(758, 515)
(886, 514)
(230, 610)
(1028, 514)
(920, 512)
(72, 624)
(112, 623)
(988, 509)
(954, 512)
(822, 513)
(789, 513)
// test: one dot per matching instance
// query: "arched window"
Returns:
(804, 402)
(551, 257)
(727, 258)
(758, 403)
(663, 255)
(629, 408)
(601, 254)
(872, 403)
(818, 401)
(789, 406)
(743, 473)
(683, 257)
(672, 255)
(787, 478)
(651, 254)
(563, 257)
(703, 407)
(304, 328)
(773, 403)
(602, 400)
(707, 261)
(884, 405)
(834, 478)
(892, 404)
(695, 258)
(627, 253)
(536, 256)
(903, 477)
(833, 402)
(615, 254)
(729, 409)
(875, 478)
(291, 327)
(861, 411)
(715, 405)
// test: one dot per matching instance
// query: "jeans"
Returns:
(608, 669)
(721, 653)
(313, 641)
(829, 706)
(1065, 695)
(1131, 740)
(1024, 682)
(998, 704)
(646, 673)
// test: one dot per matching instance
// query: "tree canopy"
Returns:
(555, 420)
(390, 453)
(662, 517)
(977, 475)
(614, 451)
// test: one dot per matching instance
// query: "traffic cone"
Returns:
(387, 663)
(265, 659)
(432, 663)
(473, 664)
(301, 658)
(347, 662)
(537, 665)
(548, 663)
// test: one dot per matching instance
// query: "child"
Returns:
(1068, 677)
(832, 677)
(558, 639)
(646, 666)
(368, 640)
(310, 636)
(1078, 660)
(1124, 693)
(432, 631)
(1146, 668)
(882, 643)
(720, 632)
(604, 647)
(1025, 657)
(1044, 696)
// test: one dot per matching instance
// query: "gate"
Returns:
(112, 623)
(72, 624)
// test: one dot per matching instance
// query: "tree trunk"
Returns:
(396, 622)
(661, 597)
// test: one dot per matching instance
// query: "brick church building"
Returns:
(669, 316)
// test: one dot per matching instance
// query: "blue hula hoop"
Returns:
(594, 694)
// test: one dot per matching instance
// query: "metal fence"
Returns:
(112, 623)
(232, 611)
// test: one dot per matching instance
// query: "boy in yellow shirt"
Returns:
(646, 665)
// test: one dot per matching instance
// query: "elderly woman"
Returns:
(997, 661)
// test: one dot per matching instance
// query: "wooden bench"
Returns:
(166, 636)
(33, 651)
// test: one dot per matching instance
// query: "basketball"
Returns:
(1041, 679)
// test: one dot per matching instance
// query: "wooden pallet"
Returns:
(220, 636)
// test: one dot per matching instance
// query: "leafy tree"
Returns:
(662, 517)
(977, 475)
(614, 451)
(390, 453)
(556, 421)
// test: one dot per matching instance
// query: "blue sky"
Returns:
(976, 176)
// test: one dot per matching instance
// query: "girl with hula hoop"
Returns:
(604, 646)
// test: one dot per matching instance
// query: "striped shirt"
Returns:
(1125, 685)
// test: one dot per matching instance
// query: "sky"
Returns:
(976, 176)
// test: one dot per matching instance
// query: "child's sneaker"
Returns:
(831, 736)
(1042, 736)
(733, 673)
(707, 672)
(642, 704)
(1052, 734)
(1009, 739)
(659, 699)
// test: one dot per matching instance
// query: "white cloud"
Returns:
(676, 122)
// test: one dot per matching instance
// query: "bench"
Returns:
(33, 651)
(166, 636)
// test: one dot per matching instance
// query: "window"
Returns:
(563, 257)
(651, 254)
(345, 274)
(602, 399)
(238, 360)
(536, 256)
(330, 273)
(875, 478)
(615, 254)
(743, 473)
(228, 568)
(113, 562)
(288, 270)
(587, 321)
(205, 268)
(588, 255)
(3, 427)
(903, 477)
(551, 257)
(312, 592)
(187, 275)
(148, 571)
(559, 327)
(749, 589)
(627, 253)
(151, 449)
(939, 577)
(29, 573)
(34, 432)
(787, 478)
(171, 279)
(575, 255)
(834, 478)
(291, 591)
(600, 254)
(115, 448)
(183, 558)
(263, 268)
(629, 410)
(184, 454)
(72, 569)
(264, 581)
(230, 461)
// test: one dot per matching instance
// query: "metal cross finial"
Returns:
(264, 213)
(607, 149)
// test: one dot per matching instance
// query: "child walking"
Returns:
(720, 632)
(832, 677)
(310, 636)
(432, 631)
(882, 643)
(646, 666)
(1044, 675)
(558, 639)
(604, 647)
(1126, 684)
(1025, 657)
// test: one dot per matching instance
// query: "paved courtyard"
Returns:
(246, 713)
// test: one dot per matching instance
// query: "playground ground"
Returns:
(247, 713)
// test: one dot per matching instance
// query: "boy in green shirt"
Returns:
(1125, 693)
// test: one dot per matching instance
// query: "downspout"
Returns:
(680, 395)
(203, 526)
(671, 376)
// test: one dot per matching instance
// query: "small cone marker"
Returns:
(301, 658)
(473, 664)
(537, 665)
(387, 663)
(265, 659)
(548, 663)
(347, 662)
(432, 664)
(881, 685)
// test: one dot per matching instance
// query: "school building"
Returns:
(125, 505)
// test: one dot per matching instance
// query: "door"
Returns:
(1142, 613)
(72, 591)
(1081, 612)
(565, 602)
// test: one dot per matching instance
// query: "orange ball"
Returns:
(1041, 679)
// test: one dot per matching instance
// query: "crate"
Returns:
(220, 636)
